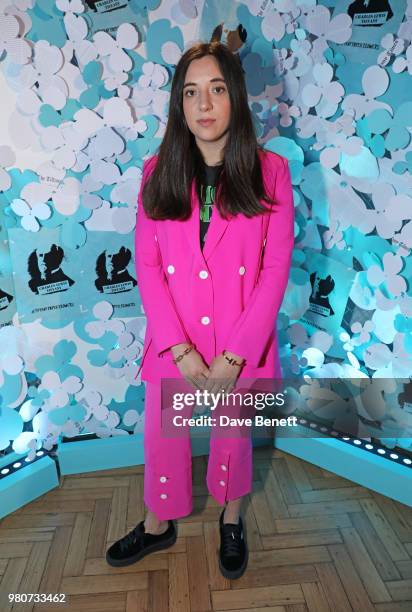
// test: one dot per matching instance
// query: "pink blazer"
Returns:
(226, 297)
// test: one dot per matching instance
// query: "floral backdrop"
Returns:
(329, 87)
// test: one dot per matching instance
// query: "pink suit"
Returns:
(224, 297)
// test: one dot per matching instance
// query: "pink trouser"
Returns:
(168, 465)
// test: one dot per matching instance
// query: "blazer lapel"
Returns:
(217, 228)
(191, 226)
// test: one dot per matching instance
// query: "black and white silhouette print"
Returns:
(105, 6)
(112, 273)
(46, 274)
(370, 12)
(5, 299)
(319, 298)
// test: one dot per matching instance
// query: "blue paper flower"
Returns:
(11, 426)
(59, 362)
(73, 234)
(398, 136)
(404, 166)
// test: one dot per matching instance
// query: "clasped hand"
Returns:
(217, 376)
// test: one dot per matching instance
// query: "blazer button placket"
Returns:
(223, 477)
(204, 304)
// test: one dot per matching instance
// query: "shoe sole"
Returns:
(234, 574)
(146, 551)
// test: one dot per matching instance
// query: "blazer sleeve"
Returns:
(251, 332)
(162, 317)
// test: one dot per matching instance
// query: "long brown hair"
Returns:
(167, 192)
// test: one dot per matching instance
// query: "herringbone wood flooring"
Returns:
(317, 542)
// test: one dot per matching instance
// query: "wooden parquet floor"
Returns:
(317, 542)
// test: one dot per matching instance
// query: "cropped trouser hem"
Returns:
(168, 465)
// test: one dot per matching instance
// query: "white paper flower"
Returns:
(345, 124)
(403, 302)
(363, 331)
(404, 63)
(296, 362)
(334, 236)
(404, 237)
(70, 6)
(7, 159)
(59, 390)
(345, 205)
(28, 105)
(26, 442)
(308, 125)
(127, 37)
(390, 209)
(76, 29)
(289, 13)
(154, 76)
(392, 46)
(11, 364)
(375, 82)
(88, 198)
(319, 23)
(28, 410)
(126, 348)
(171, 53)
(133, 418)
(387, 363)
(324, 91)
(66, 198)
(287, 113)
(47, 61)
(92, 401)
(66, 143)
(103, 311)
(331, 156)
(18, 50)
(30, 212)
(273, 26)
(332, 140)
(300, 62)
(392, 264)
(23, 5)
(125, 191)
(105, 142)
(116, 80)
(128, 372)
(299, 336)
(405, 28)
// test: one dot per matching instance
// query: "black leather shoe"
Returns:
(233, 554)
(137, 544)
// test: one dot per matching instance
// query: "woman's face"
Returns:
(205, 96)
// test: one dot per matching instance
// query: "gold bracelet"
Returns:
(232, 361)
(185, 352)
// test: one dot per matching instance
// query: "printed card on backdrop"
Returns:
(371, 20)
(7, 301)
(331, 282)
(107, 15)
(46, 275)
(109, 274)
(7, 293)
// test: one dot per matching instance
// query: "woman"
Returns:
(214, 239)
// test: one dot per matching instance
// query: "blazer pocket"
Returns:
(265, 226)
(259, 266)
